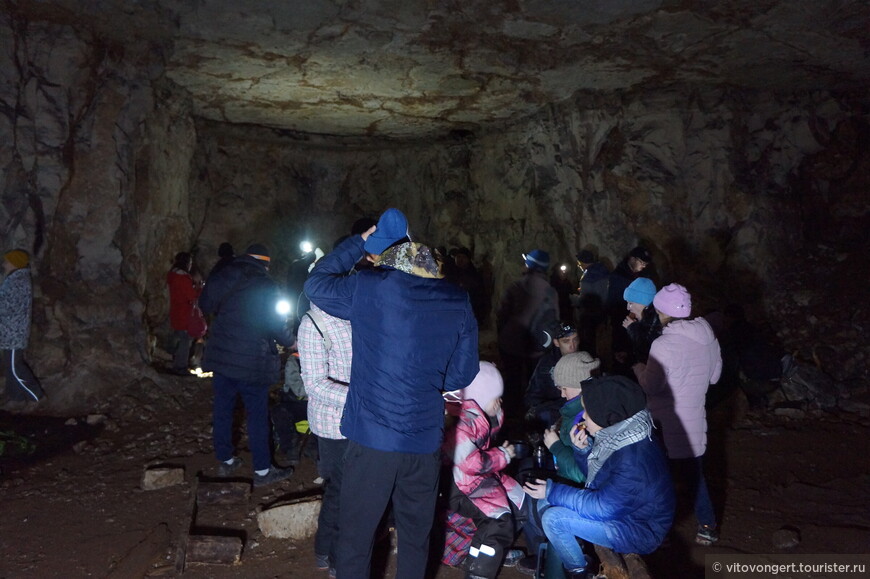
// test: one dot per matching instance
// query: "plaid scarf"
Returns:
(609, 440)
(412, 258)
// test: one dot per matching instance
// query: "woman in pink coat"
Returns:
(682, 364)
(481, 490)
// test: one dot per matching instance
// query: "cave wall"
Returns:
(105, 176)
(94, 165)
(712, 182)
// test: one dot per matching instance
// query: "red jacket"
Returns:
(183, 293)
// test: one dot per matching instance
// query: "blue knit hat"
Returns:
(640, 291)
(537, 259)
(392, 227)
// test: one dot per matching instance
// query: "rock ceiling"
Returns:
(422, 68)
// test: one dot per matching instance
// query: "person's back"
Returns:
(405, 330)
(414, 336)
(243, 355)
(243, 299)
(682, 363)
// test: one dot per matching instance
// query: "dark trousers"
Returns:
(329, 467)
(689, 472)
(516, 372)
(370, 479)
(181, 356)
(21, 384)
(492, 538)
(255, 397)
(533, 529)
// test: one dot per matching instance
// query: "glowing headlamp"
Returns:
(283, 308)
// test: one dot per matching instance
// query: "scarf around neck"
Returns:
(608, 440)
(411, 258)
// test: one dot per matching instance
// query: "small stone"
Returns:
(95, 419)
(297, 520)
(786, 538)
(162, 477)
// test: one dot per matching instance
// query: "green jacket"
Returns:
(562, 449)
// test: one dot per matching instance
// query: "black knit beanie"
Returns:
(612, 399)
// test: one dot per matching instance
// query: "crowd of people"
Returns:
(606, 380)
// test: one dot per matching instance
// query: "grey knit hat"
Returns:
(572, 369)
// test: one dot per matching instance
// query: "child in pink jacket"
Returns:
(481, 491)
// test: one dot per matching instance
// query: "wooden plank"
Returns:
(637, 568)
(214, 550)
(181, 556)
(223, 493)
(614, 566)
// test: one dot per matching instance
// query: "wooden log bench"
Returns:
(618, 566)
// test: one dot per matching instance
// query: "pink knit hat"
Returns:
(674, 300)
(486, 386)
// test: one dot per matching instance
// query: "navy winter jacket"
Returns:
(242, 336)
(413, 338)
(632, 495)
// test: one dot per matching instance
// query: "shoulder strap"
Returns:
(318, 321)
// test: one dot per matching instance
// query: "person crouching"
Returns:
(628, 502)
(481, 491)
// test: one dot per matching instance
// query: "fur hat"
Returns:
(537, 259)
(574, 368)
(612, 399)
(674, 300)
(640, 291)
(18, 258)
(486, 386)
(392, 227)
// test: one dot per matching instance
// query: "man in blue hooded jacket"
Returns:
(414, 336)
(242, 352)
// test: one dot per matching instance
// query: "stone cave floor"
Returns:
(74, 508)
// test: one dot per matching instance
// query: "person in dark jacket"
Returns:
(528, 307)
(628, 503)
(414, 337)
(642, 322)
(628, 270)
(243, 355)
(226, 255)
(542, 397)
(590, 299)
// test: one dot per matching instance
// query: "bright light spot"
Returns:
(564, 268)
(306, 247)
(283, 308)
(200, 374)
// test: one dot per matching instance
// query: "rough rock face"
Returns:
(94, 163)
(414, 68)
(107, 173)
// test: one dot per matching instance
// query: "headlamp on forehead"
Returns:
(564, 330)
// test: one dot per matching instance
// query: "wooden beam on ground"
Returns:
(616, 566)
(214, 550)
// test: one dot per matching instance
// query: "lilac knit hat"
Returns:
(486, 386)
(674, 300)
